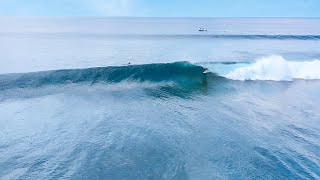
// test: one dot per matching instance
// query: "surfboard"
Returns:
(206, 72)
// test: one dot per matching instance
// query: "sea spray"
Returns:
(275, 68)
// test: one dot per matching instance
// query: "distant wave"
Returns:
(257, 36)
(174, 36)
(274, 68)
(235, 36)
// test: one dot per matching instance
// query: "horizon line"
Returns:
(257, 17)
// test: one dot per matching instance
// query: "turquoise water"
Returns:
(71, 107)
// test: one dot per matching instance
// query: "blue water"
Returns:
(71, 107)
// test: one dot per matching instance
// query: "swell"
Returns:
(262, 36)
(172, 36)
(178, 72)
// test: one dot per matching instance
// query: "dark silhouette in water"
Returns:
(202, 30)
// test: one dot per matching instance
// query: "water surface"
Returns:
(72, 108)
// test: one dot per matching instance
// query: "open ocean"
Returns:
(71, 107)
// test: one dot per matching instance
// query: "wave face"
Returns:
(179, 72)
(274, 68)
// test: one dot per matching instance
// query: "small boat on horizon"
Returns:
(202, 30)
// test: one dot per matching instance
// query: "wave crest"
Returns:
(178, 72)
(276, 68)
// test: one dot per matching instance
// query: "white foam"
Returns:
(276, 68)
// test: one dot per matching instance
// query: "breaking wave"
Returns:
(274, 68)
(178, 72)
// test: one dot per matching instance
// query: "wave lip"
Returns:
(276, 68)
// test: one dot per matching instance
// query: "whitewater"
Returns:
(126, 98)
(274, 68)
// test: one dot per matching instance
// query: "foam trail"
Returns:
(276, 68)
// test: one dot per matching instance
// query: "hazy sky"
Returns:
(160, 8)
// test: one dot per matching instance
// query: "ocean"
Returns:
(126, 98)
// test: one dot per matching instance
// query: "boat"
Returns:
(202, 30)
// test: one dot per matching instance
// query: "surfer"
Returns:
(205, 77)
